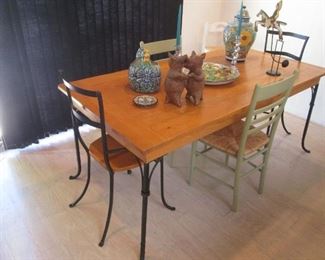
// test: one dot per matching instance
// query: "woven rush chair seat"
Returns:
(228, 139)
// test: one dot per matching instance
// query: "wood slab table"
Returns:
(152, 132)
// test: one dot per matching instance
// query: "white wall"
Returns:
(302, 16)
(195, 14)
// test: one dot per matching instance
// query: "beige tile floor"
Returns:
(286, 222)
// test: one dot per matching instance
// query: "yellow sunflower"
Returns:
(245, 38)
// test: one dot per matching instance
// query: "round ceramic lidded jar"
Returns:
(144, 74)
(247, 36)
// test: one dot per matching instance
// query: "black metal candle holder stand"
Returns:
(276, 57)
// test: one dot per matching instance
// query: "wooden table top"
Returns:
(154, 131)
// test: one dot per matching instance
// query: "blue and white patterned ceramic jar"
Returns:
(144, 74)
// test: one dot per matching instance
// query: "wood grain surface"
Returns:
(152, 132)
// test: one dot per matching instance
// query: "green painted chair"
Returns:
(159, 47)
(245, 140)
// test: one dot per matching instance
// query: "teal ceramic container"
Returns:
(144, 74)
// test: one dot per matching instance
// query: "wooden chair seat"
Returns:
(228, 139)
(120, 158)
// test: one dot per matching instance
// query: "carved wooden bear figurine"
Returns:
(176, 79)
(195, 82)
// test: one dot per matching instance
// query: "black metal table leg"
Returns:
(283, 124)
(311, 106)
(162, 185)
(146, 175)
(145, 192)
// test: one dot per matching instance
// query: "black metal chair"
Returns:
(288, 37)
(105, 150)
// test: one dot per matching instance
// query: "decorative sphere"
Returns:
(285, 63)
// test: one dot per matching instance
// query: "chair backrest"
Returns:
(257, 120)
(293, 44)
(212, 29)
(81, 117)
(158, 47)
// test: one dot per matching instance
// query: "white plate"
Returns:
(219, 82)
(145, 100)
(219, 74)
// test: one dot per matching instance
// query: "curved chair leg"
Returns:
(236, 187)
(110, 208)
(310, 111)
(87, 183)
(262, 181)
(227, 159)
(72, 177)
(263, 172)
(262, 177)
(193, 161)
(76, 140)
(162, 185)
(171, 159)
(283, 125)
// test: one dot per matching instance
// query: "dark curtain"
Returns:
(81, 37)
